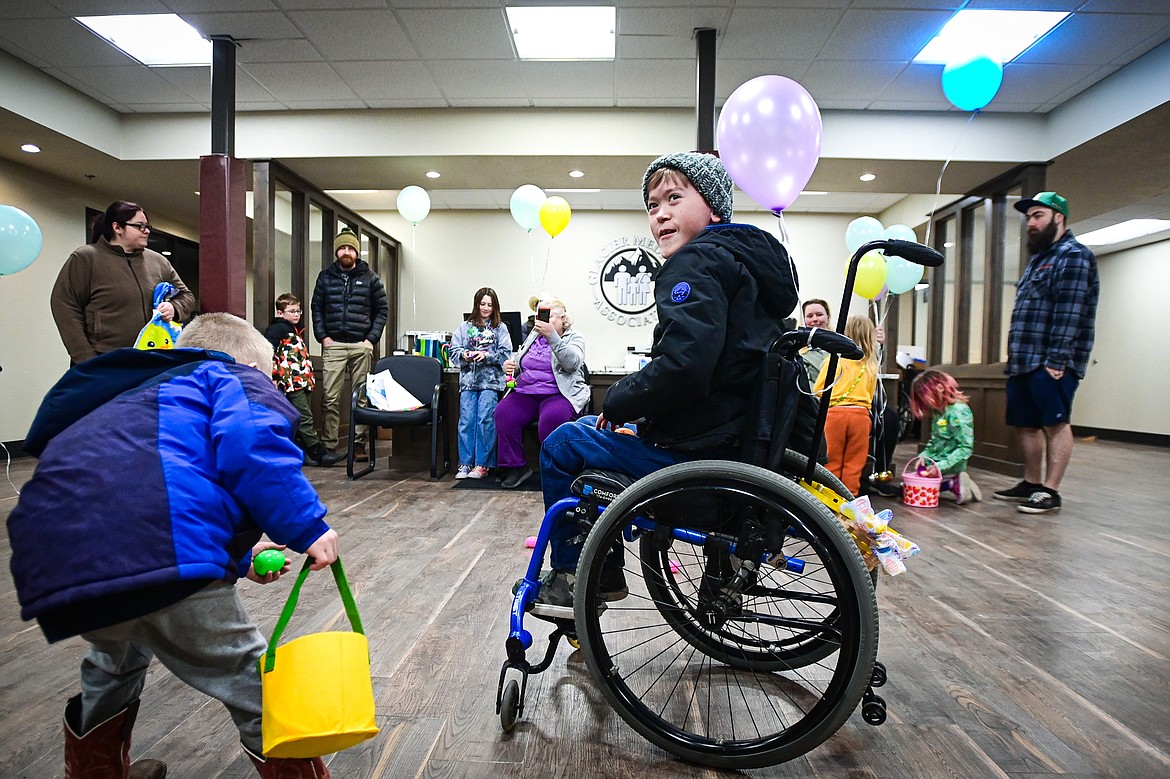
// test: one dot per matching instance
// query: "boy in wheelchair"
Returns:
(721, 299)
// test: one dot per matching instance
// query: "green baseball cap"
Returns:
(1046, 199)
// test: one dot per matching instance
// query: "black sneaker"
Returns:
(516, 477)
(1020, 493)
(1041, 501)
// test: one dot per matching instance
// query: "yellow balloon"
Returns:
(871, 275)
(554, 215)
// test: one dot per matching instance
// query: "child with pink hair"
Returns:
(936, 395)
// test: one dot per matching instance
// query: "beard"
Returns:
(1041, 240)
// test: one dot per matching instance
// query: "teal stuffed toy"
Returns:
(159, 333)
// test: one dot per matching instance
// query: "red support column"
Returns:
(223, 235)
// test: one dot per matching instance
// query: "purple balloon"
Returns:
(769, 137)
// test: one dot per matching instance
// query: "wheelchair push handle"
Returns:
(911, 251)
(789, 343)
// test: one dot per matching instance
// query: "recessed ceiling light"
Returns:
(921, 286)
(948, 244)
(577, 174)
(433, 174)
(868, 176)
(1001, 35)
(564, 33)
(155, 40)
(31, 148)
(165, 253)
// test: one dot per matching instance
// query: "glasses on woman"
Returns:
(142, 227)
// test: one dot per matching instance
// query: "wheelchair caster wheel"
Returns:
(873, 710)
(509, 705)
(878, 677)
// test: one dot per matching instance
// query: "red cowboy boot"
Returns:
(104, 752)
(289, 767)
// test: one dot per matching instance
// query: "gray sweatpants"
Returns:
(206, 640)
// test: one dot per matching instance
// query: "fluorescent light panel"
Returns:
(1124, 231)
(155, 40)
(564, 33)
(1001, 35)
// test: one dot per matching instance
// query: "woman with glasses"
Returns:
(104, 294)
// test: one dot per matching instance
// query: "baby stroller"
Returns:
(750, 631)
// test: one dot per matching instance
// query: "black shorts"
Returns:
(1037, 400)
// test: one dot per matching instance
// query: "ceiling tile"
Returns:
(175, 108)
(463, 34)
(1094, 39)
(730, 74)
(31, 9)
(249, 24)
(323, 104)
(771, 33)
(1028, 83)
(135, 84)
(485, 79)
(670, 80)
(572, 102)
(355, 35)
(260, 105)
(884, 35)
(289, 50)
(494, 102)
(388, 80)
(307, 81)
(636, 47)
(103, 7)
(569, 79)
(848, 80)
(81, 86)
(325, 5)
(215, 6)
(63, 43)
(679, 23)
(413, 102)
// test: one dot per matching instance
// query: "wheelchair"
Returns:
(749, 632)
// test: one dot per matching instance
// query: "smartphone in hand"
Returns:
(543, 314)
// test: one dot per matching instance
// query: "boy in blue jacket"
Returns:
(721, 298)
(158, 472)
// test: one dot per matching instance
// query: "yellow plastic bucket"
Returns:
(318, 694)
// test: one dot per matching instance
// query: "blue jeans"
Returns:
(575, 446)
(477, 427)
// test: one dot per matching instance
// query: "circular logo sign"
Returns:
(623, 281)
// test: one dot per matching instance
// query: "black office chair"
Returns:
(423, 378)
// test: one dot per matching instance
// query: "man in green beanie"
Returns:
(349, 313)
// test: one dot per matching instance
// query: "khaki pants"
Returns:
(340, 360)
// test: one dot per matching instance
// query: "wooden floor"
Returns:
(1017, 646)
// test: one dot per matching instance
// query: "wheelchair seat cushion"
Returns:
(600, 486)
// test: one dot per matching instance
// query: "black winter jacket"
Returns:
(721, 300)
(349, 306)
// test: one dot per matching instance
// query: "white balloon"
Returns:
(414, 204)
(861, 231)
(525, 206)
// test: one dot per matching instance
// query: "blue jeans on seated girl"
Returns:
(577, 445)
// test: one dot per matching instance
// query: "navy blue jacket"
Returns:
(349, 305)
(721, 301)
(157, 469)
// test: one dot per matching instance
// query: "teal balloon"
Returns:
(901, 275)
(900, 233)
(268, 561)
(20, 240)
(971, 82)
(861, 231)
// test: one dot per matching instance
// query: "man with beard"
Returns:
(1049, 341)
(349, 313)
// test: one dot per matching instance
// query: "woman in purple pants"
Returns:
(550, 388)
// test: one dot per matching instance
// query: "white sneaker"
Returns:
(463, 472)
(968, 490)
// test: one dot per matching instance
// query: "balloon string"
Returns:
(783, 238)
(941, 173)
(531, 262)
(414, 275)
(547, 254)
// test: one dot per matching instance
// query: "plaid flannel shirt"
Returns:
(1056, 305)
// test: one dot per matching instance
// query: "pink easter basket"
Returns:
(917, 490)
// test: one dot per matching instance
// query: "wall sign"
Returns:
(623, 281)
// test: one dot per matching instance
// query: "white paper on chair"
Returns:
(385, 394)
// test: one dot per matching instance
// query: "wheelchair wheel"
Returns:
(740, 680)
(792, 465)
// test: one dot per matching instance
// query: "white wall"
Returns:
(450, 255)
(1127, 372)
(31, 352)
